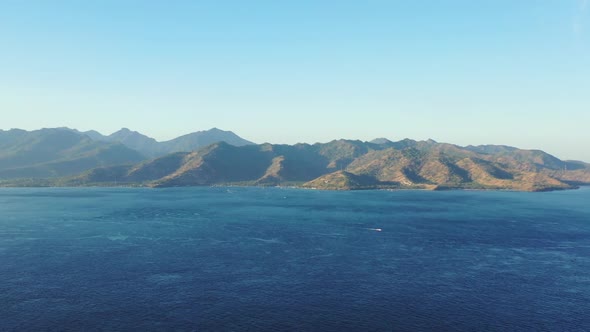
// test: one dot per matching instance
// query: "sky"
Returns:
(458, 71)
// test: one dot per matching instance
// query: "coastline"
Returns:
(47, 184)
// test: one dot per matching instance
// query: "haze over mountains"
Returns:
(67, 157)
(56, 152)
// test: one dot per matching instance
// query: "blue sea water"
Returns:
(271, 259)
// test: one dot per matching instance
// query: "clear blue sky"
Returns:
(465, 72)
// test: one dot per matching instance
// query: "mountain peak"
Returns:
(125, 130)
(380, 140)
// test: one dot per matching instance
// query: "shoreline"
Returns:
(129, 186)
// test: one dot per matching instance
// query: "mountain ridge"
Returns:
(152, 148)
(350, 165)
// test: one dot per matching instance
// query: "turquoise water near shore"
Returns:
(264, 259)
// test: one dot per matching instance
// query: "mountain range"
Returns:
(230, 160)
(58, 152)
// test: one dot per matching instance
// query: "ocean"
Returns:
(276, 259)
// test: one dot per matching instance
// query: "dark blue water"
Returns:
(217, 259)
